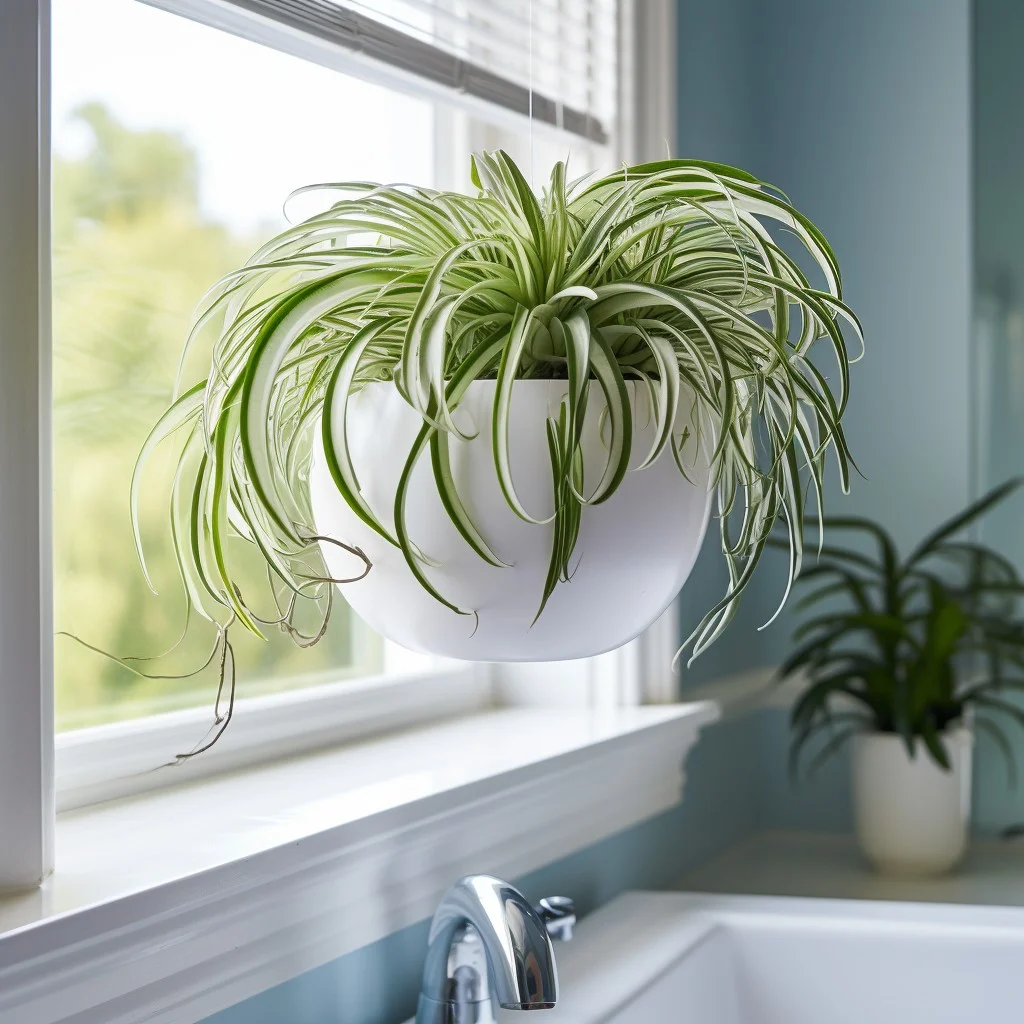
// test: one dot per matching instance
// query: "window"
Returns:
(164, 179)
(176, 129)
(174, 145)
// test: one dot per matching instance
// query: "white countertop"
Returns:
(829, 866)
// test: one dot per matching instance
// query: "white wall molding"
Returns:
(172, 952)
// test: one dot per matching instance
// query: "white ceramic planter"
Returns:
(634, 551)
(911, 817)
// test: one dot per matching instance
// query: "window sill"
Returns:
(109, 762)
(170, 906)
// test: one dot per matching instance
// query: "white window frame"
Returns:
(270, 726)
(26, 607)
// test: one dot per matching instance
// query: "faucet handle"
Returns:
(559, 916)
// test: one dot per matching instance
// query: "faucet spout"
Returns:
(487, 944)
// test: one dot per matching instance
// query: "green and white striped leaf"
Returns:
(669, 274)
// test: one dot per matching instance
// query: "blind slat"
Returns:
(471, 48)
(565, 49)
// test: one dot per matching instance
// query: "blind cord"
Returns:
(530, 74)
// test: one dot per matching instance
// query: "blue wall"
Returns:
(862, 113)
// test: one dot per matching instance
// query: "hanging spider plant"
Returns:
(664, 286)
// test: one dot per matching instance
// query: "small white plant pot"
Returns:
(911, 816)
(634, 552)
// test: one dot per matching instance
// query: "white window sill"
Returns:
(170, 906)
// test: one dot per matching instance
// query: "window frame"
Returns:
(637, 673)
(26, 607)
(108, 762)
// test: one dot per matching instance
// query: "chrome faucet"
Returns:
(488, 946)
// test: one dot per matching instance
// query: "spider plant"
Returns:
(908, 645)
(670, 274)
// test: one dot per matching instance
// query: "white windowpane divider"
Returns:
(26, 646)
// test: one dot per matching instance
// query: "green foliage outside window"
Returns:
(133, 254)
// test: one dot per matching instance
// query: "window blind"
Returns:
(554, 59)
(566, 50)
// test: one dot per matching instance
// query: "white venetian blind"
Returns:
(566, 50)
(554, 59)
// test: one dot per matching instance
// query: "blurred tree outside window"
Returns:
(174, 147)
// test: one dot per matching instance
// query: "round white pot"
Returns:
(911, 817)
(634, 552)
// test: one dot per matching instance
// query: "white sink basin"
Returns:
(662, 958)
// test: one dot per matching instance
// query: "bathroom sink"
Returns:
(661, 958)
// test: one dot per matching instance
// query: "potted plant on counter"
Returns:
(903, 657)
(497, 421)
